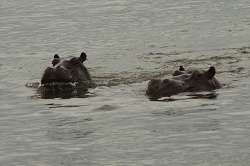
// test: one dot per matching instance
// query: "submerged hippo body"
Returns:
(184, 81)
(66, 71)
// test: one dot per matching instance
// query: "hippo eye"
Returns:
(152, 82)
(199, 76)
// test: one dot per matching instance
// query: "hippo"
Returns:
(66, 71)
(184, 81)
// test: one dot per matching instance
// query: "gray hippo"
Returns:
(184, 81)
(66, 71)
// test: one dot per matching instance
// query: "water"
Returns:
(127, 43)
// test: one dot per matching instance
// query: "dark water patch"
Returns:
(213, 125)
(167, 46)
(106, 108)
(77, 160)
(174, 112)
(217, 58)
(69, 128)
(169, 53)
(63, 106)
(69, 121)
(68, 134)
(186, 125)
(244, 50)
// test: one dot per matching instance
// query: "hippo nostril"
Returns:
(199, 75)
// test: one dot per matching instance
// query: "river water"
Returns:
(127, 43)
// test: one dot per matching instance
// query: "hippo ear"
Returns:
(181, 68)
(56, 60)
(82, 57)
(56, 56)
(211, 72)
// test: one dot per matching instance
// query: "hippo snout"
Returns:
(58, 74)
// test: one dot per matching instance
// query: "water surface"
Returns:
(127, 43)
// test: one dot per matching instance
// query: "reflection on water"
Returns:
(45, 93)
(62, 90)
(188, 96)
(52, 105)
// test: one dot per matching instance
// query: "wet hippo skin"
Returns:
(67, 70)
(184, 81)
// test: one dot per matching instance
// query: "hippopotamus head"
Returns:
(202, 80)
(68, 70)
(184, 81)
